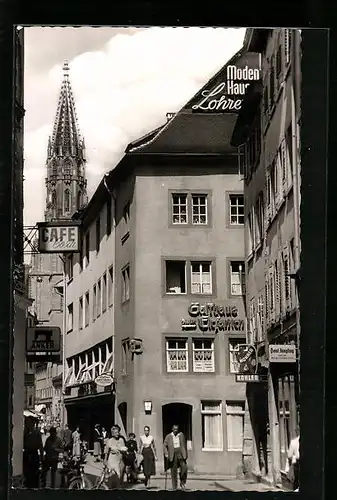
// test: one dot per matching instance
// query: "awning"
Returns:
(39, 408)
(28, 413)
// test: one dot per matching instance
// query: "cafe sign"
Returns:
(59, 237)
(227, 95)
(213, 318)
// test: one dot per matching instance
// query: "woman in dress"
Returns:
(76, 443)
(147, 448)
(116, 449)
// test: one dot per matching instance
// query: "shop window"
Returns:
(94, 303)
(70, 323)
(201, 277)
(108, 217)
(236, 209)
(98, 233)
(211, 424)
(80, 313)
(233, 347)
(104, 293)
(235, 412)
(99, 299)
(199, 209)
(87, 309)
(179, 209)
(237, 278)
(126, 284)
(110, 286)
(203, 355)
(175, 276)
(177, 355)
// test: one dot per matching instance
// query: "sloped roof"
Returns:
(196, 132)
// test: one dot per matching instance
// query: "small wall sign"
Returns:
(285, 353)
(247, 377)
(104, 380)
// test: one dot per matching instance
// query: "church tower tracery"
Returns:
(66, 182)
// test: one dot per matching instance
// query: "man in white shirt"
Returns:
(175, 452)
(294, 458)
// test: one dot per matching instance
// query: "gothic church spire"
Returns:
(66, 180)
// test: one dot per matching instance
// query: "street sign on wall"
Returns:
(285, 353)
(59, 237)
(250, 377)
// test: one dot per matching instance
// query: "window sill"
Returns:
(217, 450)
(69, 331)
(234, 451)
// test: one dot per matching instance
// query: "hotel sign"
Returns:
(282, 353)
(213, 318)
(227, 96)
(59, 237)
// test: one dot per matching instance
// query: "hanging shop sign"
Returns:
(104, 380)
(250, 377)
(59, 237)
(214, 318)
(227, 96)
(246, 362)
(282, 353)
(43, 343)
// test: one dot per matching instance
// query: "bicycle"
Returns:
(101, 483)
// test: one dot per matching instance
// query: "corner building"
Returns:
(268, 134)
(179, 291)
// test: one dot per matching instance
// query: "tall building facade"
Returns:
(21, 301)
(268, 134)
(65, 194)
(178, 285)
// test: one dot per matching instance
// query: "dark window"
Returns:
(86, 311)
(104, 293)
(108, 217)
(87, 247)
(71, 266)
(175, 276)
(80, 314)
(98, 233)
(67, 200)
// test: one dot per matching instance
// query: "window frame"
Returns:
(190, 193)
(125, 296)
(229, 270)
(104, 293)
(186, 350)
(203, 349)
(201, 263)
(80, 313)
(229, 196)
(110, 291)
(86, 309)
(234, 413)
(165, 276)
(218, 413)
(188, 274)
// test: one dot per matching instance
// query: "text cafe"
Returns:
(59, 237)
(226, 96)
(213, 318)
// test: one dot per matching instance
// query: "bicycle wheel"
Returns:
(103, 486)
(79, 483)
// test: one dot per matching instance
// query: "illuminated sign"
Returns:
(59, 237)
(212, 317)
(227, 96)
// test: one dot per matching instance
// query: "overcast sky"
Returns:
(124, 81)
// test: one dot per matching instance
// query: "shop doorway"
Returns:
(180, 414)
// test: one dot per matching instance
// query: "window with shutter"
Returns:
(287, 288)
(272, 82)
(278, 72)
(266, 291)
(260, 318)
(277, 289)
(288, 158)
(272, 293)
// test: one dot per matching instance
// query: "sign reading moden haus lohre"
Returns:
(227, 96)
(212, 317)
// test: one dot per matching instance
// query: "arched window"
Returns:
(79, 200)
(67, 167)
(53, 199)
(67, 200)
(54, 168)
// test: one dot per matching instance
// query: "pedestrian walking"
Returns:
(32, 454)
(130, 459)
(175, 452)
(52, 448)
(104, 442)
(294, 459)
(66, 438)
(116, 449)
(147, 448)
(76, 439)
(97, 442)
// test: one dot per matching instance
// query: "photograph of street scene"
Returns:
(157, 254)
